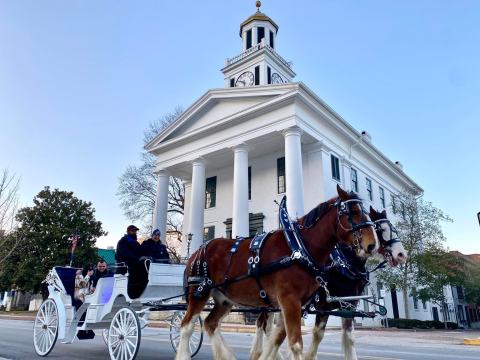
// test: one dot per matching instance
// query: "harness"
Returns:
(299, 253)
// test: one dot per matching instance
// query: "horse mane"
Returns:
(321, 209)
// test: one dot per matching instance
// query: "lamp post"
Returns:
(478, 216)
(189, 238)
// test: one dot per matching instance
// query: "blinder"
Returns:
(345, 208)
(394, 237)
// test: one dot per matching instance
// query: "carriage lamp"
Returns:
(189, 238)
(478, 216)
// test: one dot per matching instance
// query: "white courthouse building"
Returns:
(263, 135)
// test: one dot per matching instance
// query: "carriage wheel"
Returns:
(124, 335)
(105, 336)
(197, 336)
(45, 328)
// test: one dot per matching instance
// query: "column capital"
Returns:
(162, 172)
(294, 130)
(240, 147)
(199, 161)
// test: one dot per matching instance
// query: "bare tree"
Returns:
(9, 186)
(138, 184)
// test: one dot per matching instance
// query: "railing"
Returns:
(254, 49)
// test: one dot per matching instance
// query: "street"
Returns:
(16, 343)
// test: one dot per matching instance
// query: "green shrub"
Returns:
(419, 324)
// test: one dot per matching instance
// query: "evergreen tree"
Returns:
(45, 230)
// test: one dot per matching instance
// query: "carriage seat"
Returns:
(103, 291)
(67, 277)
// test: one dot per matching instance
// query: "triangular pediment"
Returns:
(213, 107)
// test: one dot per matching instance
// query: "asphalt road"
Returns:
(16, 343)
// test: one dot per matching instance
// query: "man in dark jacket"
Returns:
(101, 272)
(154, 248)
(129, 252)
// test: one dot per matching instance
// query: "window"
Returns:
(460, 293)
(249, 39)
(369, 189)
(335, 167)
(424, 305)
(208, 233)
(260, 34)
(354, 180)
(271, 39)
(281, 181)
(257, 75)
(232, 82)
(211, 192)
(382, 196)
(249, 183)
(269, 75)
(394, 204)
(415, 298)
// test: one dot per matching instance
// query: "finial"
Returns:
(258, 4)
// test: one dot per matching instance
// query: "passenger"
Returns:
(129, 252)
(101, 272)
(82, 286)
(154, 248)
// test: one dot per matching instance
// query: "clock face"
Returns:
(245, 79)
(277, 79)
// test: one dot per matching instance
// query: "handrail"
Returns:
(255, 48)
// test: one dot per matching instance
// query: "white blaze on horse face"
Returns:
(399, 254)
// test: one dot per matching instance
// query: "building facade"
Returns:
(242, 147)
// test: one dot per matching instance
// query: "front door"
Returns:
(435, 313)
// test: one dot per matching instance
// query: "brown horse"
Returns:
(340, 219)
(391, 249)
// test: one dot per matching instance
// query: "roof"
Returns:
(108, 255)
(260, 17)
(473, 259)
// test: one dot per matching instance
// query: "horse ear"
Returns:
(342, 194)
(373, 213)
(384, 214)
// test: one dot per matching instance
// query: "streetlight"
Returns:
(189, 238)
(478, 216)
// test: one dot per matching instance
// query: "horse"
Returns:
(219, 269)
(391, 250)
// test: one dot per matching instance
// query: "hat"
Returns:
(156, 232)
(131, 228)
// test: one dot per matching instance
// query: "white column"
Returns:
(161, 203)
(197, 204)
(294, 172)
(240, 223)
(186, 217)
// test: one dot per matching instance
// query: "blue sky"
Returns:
(81, 80)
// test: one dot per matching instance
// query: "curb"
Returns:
(471, 341)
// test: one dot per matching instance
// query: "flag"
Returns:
(74, 239)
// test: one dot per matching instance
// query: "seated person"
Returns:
(154, 248)
(129, 252)
(101, 272)
(82, 286)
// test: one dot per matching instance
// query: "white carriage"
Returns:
(110, 309)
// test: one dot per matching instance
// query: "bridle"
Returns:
(394, 237)
(344, 208)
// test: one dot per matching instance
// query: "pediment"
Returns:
(214, 106)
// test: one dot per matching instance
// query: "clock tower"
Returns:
(259, 63)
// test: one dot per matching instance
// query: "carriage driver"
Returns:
(129, 251)
(154, 248)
